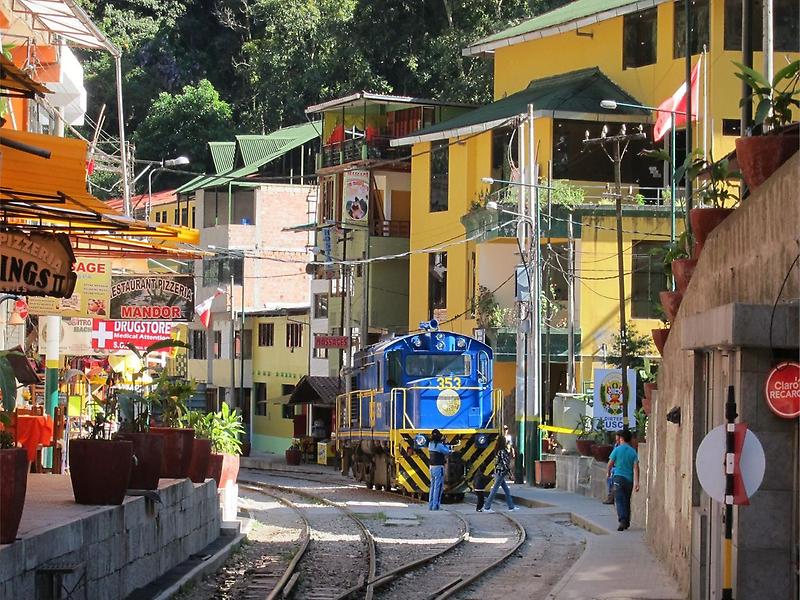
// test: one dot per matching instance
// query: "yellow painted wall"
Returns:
(170, 208)
(276, 365)
(515, 66)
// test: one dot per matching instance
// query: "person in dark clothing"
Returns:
(479, 483)
(438, 451)
(502, 469)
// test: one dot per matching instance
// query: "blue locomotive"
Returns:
(404, 388)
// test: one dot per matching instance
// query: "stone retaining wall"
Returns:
(116, 549)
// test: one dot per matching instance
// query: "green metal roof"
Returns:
(251, 152)
(574, 92)
(579, 13)
(222, 155)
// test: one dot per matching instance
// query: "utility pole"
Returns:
(534, 384)
(520, 392)
(615, 142)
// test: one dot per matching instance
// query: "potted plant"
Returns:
(601, 449)
(648, 374)
(99, 467)
(760, 156)
(586, 440)
(13, 460)
(170, 396)
(225, 432)
(201, 444)
(293, 453)
(642, 419)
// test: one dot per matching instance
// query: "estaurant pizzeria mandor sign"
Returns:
(152, 298)
(36, 264)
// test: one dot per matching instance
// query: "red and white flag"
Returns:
(203, 309)
(677, 103)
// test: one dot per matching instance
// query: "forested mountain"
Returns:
(196, 70)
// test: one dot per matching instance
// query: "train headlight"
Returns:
(416, 342)
(420, 440)
(461, 343)
(440, 345)
(482, 440)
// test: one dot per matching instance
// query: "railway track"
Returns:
(298, 580)
(481, 546)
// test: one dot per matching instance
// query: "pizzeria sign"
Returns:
(36, 264)
(152, 298)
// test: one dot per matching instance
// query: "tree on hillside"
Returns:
(182, 124)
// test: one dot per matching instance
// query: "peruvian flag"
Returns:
(677, 103)
(203, 309)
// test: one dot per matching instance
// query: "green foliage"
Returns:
(775, 98)
(637, 346)
(223, 428)
(8, 383)
(171, 396)
(182, 124)
(679, 249)
(648, 372)
(641, 424)
(566, 194)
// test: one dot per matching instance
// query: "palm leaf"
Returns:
(168, 343)
(8, 383)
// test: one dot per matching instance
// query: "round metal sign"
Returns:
(782, 390)
(710, 463)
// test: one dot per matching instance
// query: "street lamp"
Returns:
(613, 105)
(158, 166)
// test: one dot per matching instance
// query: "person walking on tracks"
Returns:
(624, 465)
(438, 451)
(502, 469)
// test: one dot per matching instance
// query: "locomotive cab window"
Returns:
(433, 365)
(483, 367)
(394, 369)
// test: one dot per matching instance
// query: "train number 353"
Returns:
(448, 383)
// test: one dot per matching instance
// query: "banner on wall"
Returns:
(116, 335)
(75, 338)
(608, 399)
(152, 298)
(356, 196)
(91, 297)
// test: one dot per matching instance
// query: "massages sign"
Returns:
(36, 264)
(152, 298)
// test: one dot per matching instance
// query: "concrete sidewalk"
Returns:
(616, 565)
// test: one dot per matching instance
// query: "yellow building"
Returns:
(564, 63)
(279, 360)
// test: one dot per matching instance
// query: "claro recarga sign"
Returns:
(36, 264)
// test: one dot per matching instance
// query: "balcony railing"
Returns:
(384, 228)
(376, 148)
(503, 341)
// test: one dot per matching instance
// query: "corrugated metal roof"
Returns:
(580, 13)
(255, 151)
(575, 92)
(222, 154)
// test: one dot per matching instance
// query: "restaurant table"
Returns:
(31, 431)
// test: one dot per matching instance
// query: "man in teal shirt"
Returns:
(623, 464)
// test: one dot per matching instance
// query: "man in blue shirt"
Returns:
(623, 464)
(438, 451)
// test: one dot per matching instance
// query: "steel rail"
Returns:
(305, 539)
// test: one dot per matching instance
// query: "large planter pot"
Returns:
(13, 484)
(100, 470)
(670, 302)
(293, 456)
(545, 473)
(177, 451)
(223, 468)
(705, 220)
(682, 271)
(659, 339)
(201, 455)
(760, 156)
(584, 447)
(148, 448)
(601, 452)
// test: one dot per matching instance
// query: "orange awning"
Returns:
(43, 184)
